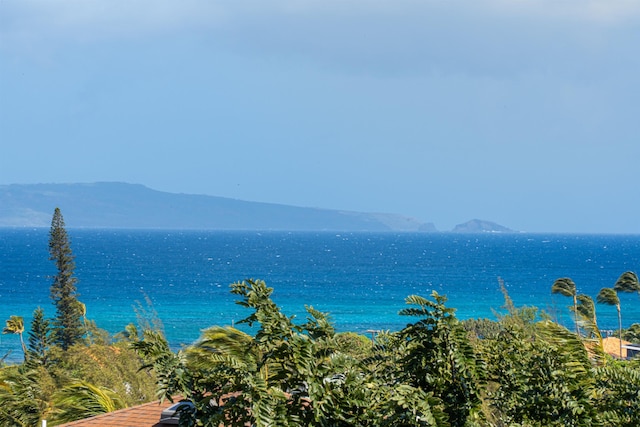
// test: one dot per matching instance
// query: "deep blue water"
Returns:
(360, 278)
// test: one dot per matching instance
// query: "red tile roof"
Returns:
(146, 415)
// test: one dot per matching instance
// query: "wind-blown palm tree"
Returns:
(566, 287)
(222, 344)
(24, 400)
(610, 297)
(83, 311)
(586, 312)
(81, 400)
(15, 325)
(586, 308)
(627, 282)
(586, 316)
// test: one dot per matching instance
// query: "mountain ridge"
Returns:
(123, 205)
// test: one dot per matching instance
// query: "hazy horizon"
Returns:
(521, 113)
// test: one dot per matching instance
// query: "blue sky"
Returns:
(523, 112)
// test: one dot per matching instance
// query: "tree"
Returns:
(81, 400)
(24, 402)
(566, 287)
(609, 296)
(539, 376)
(15, 325)
(586, 309)
(633, 333)
(617, 397)
(627, 282)
(67, 325)
(89, 326)
(287, 374)
(172, 375)
(439, 359)
(586, 317)
(39, 339)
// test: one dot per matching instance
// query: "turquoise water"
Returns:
(360, 278)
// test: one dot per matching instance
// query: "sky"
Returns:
(521, 112)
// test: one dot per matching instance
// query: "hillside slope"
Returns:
(120, 205)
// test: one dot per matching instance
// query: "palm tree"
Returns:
(586, 308)
(627, 282)
(221, 344)
(610, 297)
(81, 400)
(15, 325)
(83, 312)
(586, 313)
(566, 287)
(586, 316)
(24, 400)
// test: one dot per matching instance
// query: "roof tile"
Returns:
(145, 415)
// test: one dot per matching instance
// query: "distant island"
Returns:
(122, 205)
(480, 226)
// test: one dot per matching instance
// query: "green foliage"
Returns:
(94, 334)
(290, 374)
(170, 369)
(591, 336)
(627, 282)
(523, 317)
(618, 394)
(586, 312)
(114, 367)
(518, 372)
(67, 325)
(81, 400)
(354, 345)
(632, 334)
(439, 359)
(609, 296)
(39, 339)
(129, 334)
(539, 380)
(291, 360)
(436, 372)
(24, 397)
(482, 328)
(147, 317)
(15, 325)
(110, 379)
(66, 377)
(367, 399)
(566, 287)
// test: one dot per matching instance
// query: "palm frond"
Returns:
(608, 296)
(586, 307)
(627, 282)
(83, 400)
(564, 286)
(23, 401)
(564, 339)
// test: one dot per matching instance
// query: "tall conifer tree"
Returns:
(39, 340)
(67, 325)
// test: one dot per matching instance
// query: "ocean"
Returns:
(361, 279)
